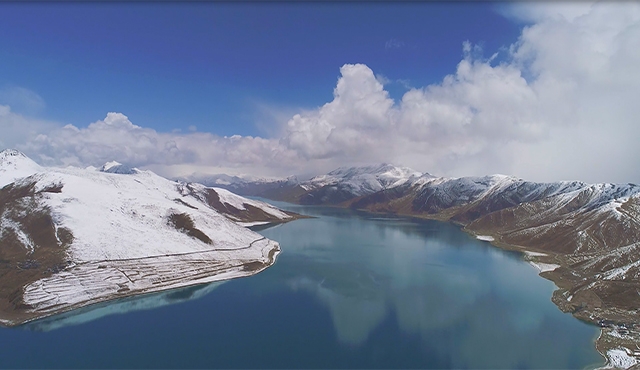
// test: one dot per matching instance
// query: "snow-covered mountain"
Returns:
(346, 183)
(364, 180)
(70, 236)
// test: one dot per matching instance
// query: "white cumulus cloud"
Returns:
(351, 125)
(562, 104)
(117, 138)
(560, 107)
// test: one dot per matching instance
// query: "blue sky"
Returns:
(217, 65)
(545, 91)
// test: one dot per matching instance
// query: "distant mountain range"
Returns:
(583, 237)
(72, 236)
(335, 187)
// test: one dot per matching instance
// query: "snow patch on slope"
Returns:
(229, 199)
(239, 202)
(620, 359)
(7, 224)
(543, 267)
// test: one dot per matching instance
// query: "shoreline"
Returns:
(231, 271)
(614, 349)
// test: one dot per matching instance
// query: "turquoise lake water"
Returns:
(349, 290)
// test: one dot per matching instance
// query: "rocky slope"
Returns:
(70, 237)
(583, 237)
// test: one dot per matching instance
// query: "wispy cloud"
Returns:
(21, 99)
(393, 44)
(382, 79)
(406, 83)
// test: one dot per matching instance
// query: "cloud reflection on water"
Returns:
(468, 301)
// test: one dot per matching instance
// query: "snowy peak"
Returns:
(11, 153)
(225, 179)
(380, 170)
(15, 159)
(109, 165)
(345, 183)
(365, 179)
(116, 167)
(14, 165)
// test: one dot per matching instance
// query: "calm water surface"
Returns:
(349, 290)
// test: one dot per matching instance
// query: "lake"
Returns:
(349, 290)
